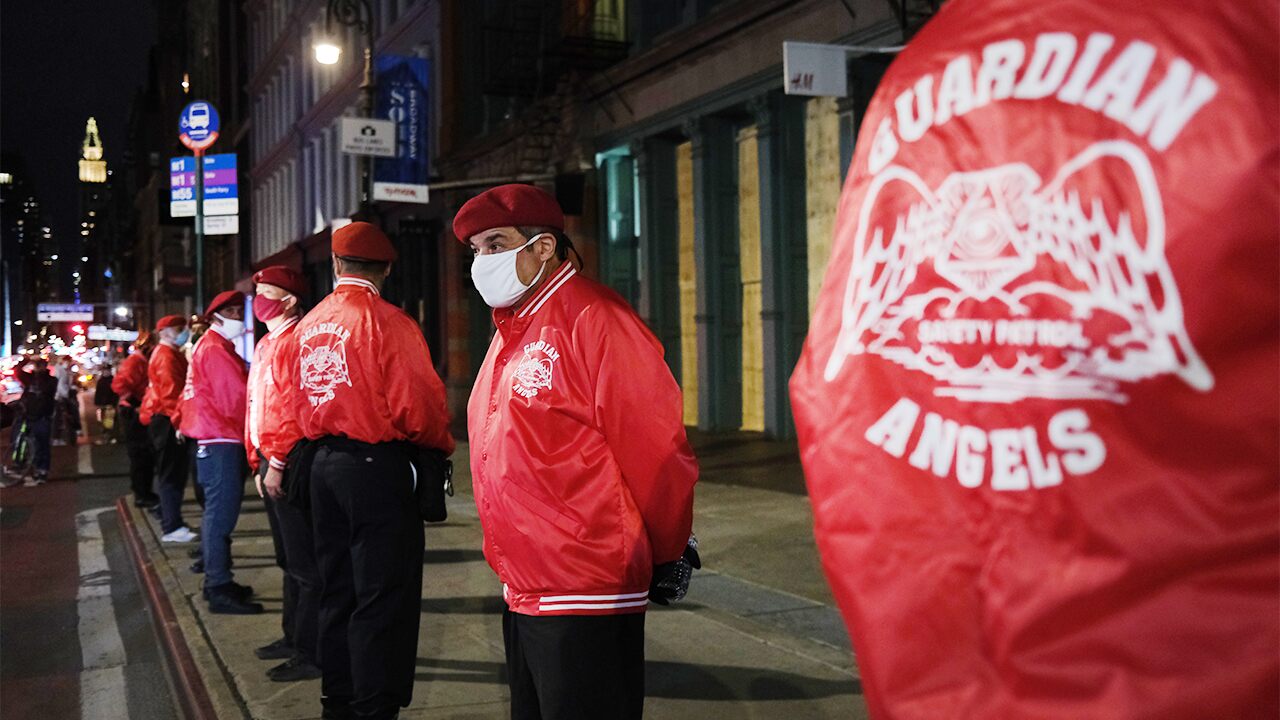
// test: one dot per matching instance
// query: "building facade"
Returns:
(29, 259)
(700, 191)
(691, 183)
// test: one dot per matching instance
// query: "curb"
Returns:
(192, 695)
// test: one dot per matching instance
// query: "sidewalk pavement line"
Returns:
(189, 686)
(102, 694)
(101, 645)
(774, 638)
(102, 684)
(84, 459)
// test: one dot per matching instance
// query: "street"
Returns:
(77, 638)
(756, 637)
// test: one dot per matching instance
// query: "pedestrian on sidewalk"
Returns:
(130, 386)
(212, 412)
(66, 414)
(271, 431)
(582, 473)
(370, 399)
(39, 392)
(105, 400)
(166, 376)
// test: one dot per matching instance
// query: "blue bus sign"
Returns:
(198, 125)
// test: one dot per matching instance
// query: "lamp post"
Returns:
(357, 14)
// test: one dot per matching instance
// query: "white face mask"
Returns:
(496, 278)
(230, 329)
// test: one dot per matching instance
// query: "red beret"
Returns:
(363, 241)
(507, 206)
(229, 297)
(285, 278)
(170, 321)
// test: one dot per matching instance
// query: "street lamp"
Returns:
(122, 311)
(357, 14)
(327, 53)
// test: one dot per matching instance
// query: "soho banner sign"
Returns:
(403, 99)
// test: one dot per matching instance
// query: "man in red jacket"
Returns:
(271, 431)
(582, 474)
(130, 385)
(1037, 404)
(166, 375)
(369, 393)
(213, 407)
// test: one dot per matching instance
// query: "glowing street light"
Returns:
(122, 311)
(327, 53)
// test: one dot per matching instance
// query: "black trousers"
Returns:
(575, 667)
(141, 454)
(173, 465)
(369, 548)
(290, 589)
(294, 540)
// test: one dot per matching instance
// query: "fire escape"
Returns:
(535, 54)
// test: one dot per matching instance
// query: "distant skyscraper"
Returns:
(90, 260)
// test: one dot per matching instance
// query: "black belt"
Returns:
(434, 469)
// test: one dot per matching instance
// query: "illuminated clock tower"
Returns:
(93, 250)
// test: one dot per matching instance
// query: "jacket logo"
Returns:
(1002, 288)
(534, 372)
(323, 361)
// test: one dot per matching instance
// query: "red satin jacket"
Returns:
(166, 375)
(365, 373)
(1037, 404)
(271, 422)
(130, 383)
(581, 470)
(213, 398)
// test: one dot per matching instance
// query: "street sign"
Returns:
(363, 136)
(815, 69)
(198, 125)
(401, 192)
(403, 98)
(102, 332)
(221, 224)
(221, 188)
(53, 312)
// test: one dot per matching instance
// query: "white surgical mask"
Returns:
(230, 329)
(496, 278)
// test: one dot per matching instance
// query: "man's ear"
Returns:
(546, 247)
(387, 271)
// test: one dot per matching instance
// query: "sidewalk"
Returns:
(757, 636)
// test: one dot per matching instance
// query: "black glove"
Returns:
(671, 580)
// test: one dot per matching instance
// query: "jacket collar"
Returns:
(517, 318)
(355, 282)
(284, 326)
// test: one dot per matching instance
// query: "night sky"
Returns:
(62, 61)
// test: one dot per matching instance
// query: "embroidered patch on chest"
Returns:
(536, 369)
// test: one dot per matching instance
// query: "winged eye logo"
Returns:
(534, 372)
(1001, 288)
(323, 368)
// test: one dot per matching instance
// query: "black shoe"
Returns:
(195, 552)
(275, 650)
(233, 588)
(335, 709)
(294, 669)
(197, 567)
(146, 503)
(155, 512)
(228, 603)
